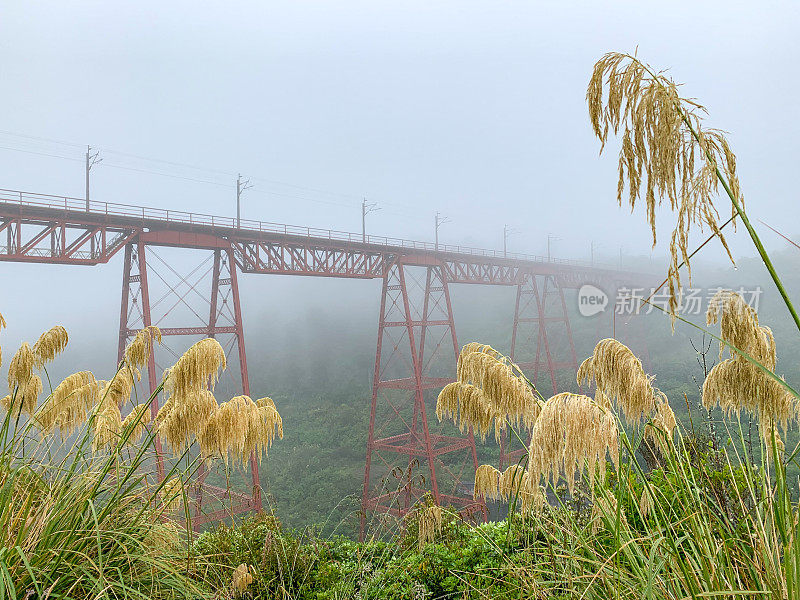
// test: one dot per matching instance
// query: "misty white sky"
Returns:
(474, 109)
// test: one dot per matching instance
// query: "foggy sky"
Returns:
(474, 109)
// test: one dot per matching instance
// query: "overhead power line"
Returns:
(41, 153)
(42, 139)
(348, 200)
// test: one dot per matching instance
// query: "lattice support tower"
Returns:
(541, 322)
(416, 353)
(214, 285)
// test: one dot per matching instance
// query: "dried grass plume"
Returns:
(197, 368)
(49, 345)
(737, 383)
(666, 154)
(620, 378)
(573, 434)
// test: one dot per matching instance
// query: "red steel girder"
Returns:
(292, 258)
(47, 229)
(60, 241)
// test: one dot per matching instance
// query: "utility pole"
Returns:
(91, 160)
(241, 186)
(439, 222)
(592, 251)
(366, 208)
(507, 231)
(550, 238)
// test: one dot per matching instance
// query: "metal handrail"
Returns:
(69, 204)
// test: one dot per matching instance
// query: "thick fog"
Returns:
(472, 109)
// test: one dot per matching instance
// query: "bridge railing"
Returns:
(94, 207)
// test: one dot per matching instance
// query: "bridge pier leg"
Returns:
(224, 323)
(543, 315)
(134, 315)
(415, 358)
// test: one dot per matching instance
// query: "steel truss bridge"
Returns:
(408, 453)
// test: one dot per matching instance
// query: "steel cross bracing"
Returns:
(541, 322)
(409, 454)
(417, 349)
(177, 300)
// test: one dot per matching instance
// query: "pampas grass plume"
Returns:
(487, 481)
(138, 351)
(665, 153)
(51, 343)
(136, 422)
(20, 370)
(197, 368)
(620, 378)
(67, 406)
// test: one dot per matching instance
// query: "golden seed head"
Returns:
(665, 153)
(136, 422)
(240, 427)
(68, 405)
(513, 482)
(572, 434)
(24, 398)
(50, 344)
(739, 327)
(487, 393)
(242, 578)
(265, 402)
(487, 481)
(119, 389)
(138, 351)
(736, 383)
(468, 407)
(107, 423)
(645, 503)
(197, 369)
(430, 524)
(21, 368)
(182, 418)
(620, 378)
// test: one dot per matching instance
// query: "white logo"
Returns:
(591, 300)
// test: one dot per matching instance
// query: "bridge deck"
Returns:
(60, 229)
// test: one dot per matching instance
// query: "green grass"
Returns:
(78, 524)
